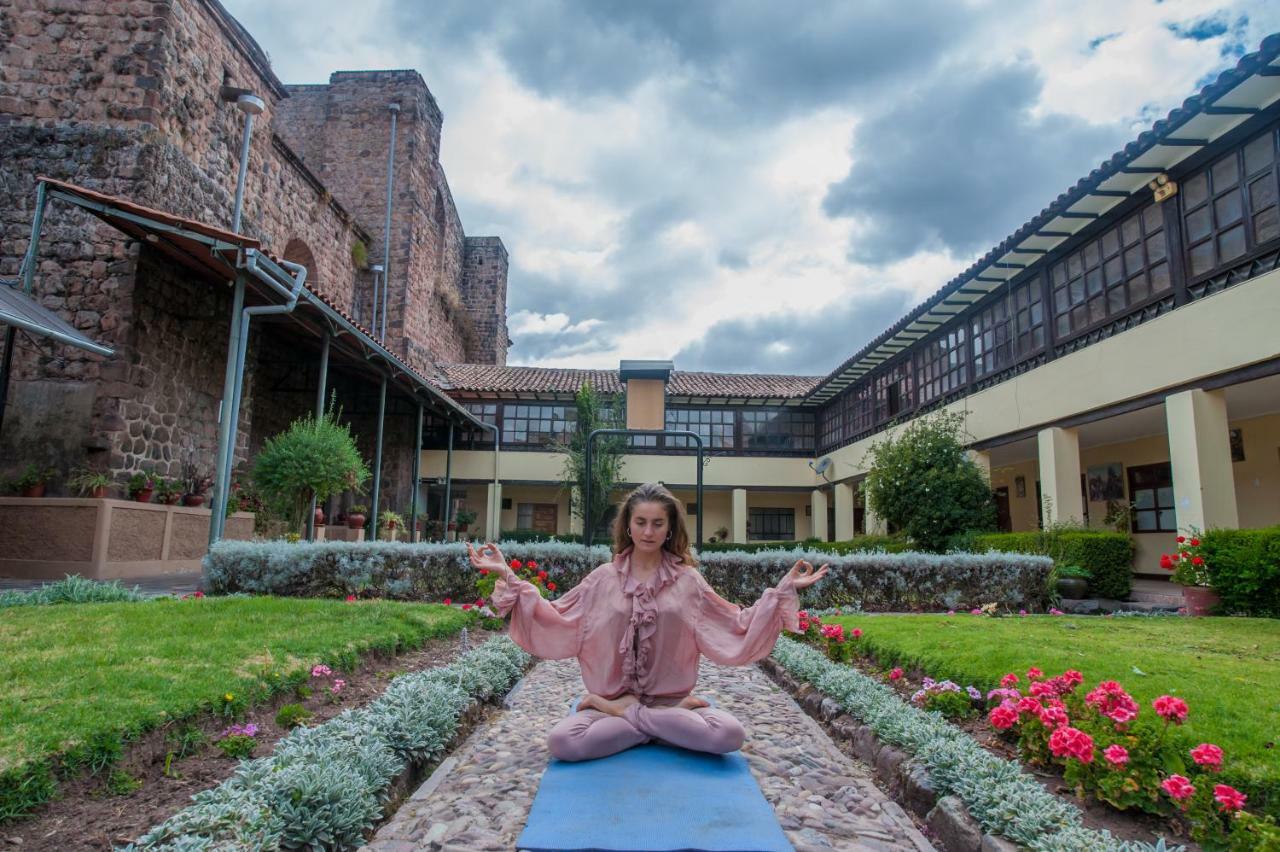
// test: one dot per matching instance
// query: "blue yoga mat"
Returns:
(652, 798)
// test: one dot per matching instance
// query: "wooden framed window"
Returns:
(485, 411)
(777, 429)
(1151, 495)
(715, 425)
(1124, 267)
(992, 337)
(1230, 206)
(537, 424)
(771, 524)
(943, 364)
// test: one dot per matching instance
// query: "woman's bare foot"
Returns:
(692, 702)
(613, 707)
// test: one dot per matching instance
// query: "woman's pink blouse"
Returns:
(645, 638)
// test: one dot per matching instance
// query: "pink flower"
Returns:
(1033, 673)
(1229, 798)
(1055, 611)
(466, 607)
(1030, 705)
(448, 601)
(1072, 678)
(1003, 717)
(1207, 755)
(321, 670)
(199, 594)
(975, 611)
(1178, 788)
(1116, 755)
(1112, 701)
(896, 674)
(351, 598)
(1008, 680)
(338, 686)
(1054, 717)
(1170, 709)
(1022, 612)
(1066, 741)
(951, 612)
(857, 633)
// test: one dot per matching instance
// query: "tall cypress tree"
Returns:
(594, 412)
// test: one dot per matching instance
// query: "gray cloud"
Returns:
(817, 344)
(961, 163)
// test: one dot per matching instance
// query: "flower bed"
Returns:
(1003, 798)
(873, 581)
(326, 786)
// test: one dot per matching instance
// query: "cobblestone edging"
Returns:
(895, 770)
(479, 798)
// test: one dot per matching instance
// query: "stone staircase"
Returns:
(1146, 595)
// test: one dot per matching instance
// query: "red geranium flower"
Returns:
(1116, 755)
(1008, 680)
(1229, 798)
(1195, 542)
(1181, 539)
(484, 572)
(1170, 709)
(466, 607)
(542, 575)
(532, 565)
(551, 587)
(516, 565)
(1207, 755)
(1178, 788)
(1003, 717)
(1033, 673)
(448, 601)
(857, 633)
(1067, 741)
(351, 598)
(896, 674)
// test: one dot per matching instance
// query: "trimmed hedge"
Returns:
(1245, 566)
(1107, 555)
(874, 581)
(861, 544)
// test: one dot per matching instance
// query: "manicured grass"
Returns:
(1226, 669)
(76, 673)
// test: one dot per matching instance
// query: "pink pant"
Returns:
(589, 734)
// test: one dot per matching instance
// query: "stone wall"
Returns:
(484, 295)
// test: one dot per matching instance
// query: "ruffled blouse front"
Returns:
(645, 638)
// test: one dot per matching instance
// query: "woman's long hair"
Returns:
(652, 492)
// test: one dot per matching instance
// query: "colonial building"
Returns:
(1117, 355)
(132, 110)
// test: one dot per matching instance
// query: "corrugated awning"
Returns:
(20, 310)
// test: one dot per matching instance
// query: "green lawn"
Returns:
(1226, 669)
(74, 672)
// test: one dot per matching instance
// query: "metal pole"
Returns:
(244, 168)
(417, 472)
(377, 456)
(386, 232)
(320, 389)
(448, 481)
(221, 483)
(373, 325)
(587, 526)
(586, 508)
(28, 282)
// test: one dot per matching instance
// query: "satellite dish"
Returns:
(822, 466)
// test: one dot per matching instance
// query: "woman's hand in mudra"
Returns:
(489, 557)
(803, 575)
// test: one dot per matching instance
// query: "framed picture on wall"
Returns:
(1106, 482)
(1237, 445)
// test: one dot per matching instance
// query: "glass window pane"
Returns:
(1114, 271)
(1195, 190)
(1073, 265)
(1144, 498)
(1160, 280)
(1133, 259)
(1111, 242)
(1138, 290)
(1202, 258)
(1164, 497)
(1091, 254)
(1262, 193)
(1093, 282)
(1228, 209)
(1063, 325)
(1259, 153)
(1225, 173)
(1156, 248)
(1076, 288)
(1079, 317)
(1115, 300)
(1060, 300)
(1152, 218)
(1231, 244)
(1168, 520)
(1199, 225)
(1131, 230)
(1146, 521)
(1097, 309)
(1266, 225)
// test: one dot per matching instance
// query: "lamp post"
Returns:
(386, 233)
(376, 269)
(250, 105)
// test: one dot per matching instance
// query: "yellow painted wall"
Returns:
(1258, 476)
(646, 404)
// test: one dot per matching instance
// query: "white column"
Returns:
(844, 511)
(575, 499)
(1204, 487)
(739, 515)
(982, 460)
(493, 514)
(873, 523)
(818, 502)
(1060, 475)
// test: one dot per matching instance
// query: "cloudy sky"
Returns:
(755, 185)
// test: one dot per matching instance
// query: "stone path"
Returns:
(479, 798)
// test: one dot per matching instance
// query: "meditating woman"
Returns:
(637, 626)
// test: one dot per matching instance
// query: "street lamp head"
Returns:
(250, 104)
(393, 107)
(377, 267)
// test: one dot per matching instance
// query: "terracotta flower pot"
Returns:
(173, 499)
(99, 492)
(193, 499)
(355, 521)
(319, 516)
(143, 496)
(1073, 588)
(1200, 600)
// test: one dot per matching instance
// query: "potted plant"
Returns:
(195, 482)
(464, 518)
(33, 480)
(391, 522)
(90, 483)
(356, 516)
(168, 491)
(319, 515)
(1191, 571)
(1073, 582)
(140, 487)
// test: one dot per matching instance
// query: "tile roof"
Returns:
(494, 379)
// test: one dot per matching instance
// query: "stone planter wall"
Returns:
(105, 539)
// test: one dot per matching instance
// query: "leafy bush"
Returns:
(1107, 556)
(1004, 799)
(292, 715)
(434, 571)
(314, 457)
(72, 589)
(1245, 565)
(923, 483)
(325, 787)
(861, 544)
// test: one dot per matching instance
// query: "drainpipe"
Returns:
(377, 457)
(27, 273)
(323, 382)
(417, 474)
(448, 482)
(386, 231)
(233, 412)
